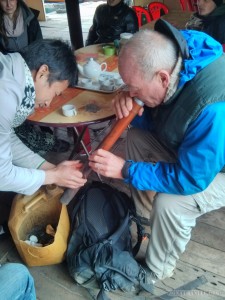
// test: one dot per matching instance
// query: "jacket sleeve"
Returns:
(34, 31)
(17, 163)
(200, 158)
(219, 33)
(131, 21)
(92, 34)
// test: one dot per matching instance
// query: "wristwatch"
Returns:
(125, 169)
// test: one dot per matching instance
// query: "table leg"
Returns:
(78, 141)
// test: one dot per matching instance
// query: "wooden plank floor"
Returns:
(204, 255)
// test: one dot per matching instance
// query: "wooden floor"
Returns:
(204, 256)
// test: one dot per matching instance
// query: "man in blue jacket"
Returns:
(176, 146)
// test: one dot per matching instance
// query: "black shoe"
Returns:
(61, 146)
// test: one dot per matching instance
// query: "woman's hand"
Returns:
(107, 164)
(67, 174)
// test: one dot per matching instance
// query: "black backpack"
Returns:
(100, 253)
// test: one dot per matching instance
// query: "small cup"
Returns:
(86, 83)
(107, 85)
(109, 50)
(96, 85)
(119, 81)
(69, 110)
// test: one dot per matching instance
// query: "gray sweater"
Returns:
(18, 164)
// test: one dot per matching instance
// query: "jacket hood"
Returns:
(219, 11)
(203, 50)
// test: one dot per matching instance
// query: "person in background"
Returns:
(19, 27)
(210, 18)
(175, 162)
(29, 80)
(110, 20)
(44, 70)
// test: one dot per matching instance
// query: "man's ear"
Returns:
(42, 72)
(164, 78)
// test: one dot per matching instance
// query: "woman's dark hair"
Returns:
(57, 55)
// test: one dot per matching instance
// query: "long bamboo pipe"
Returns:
(106, 144)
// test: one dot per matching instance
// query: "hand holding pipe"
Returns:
(106, 144)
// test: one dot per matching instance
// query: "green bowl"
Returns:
(109, 50)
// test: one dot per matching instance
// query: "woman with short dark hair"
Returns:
(28, 81)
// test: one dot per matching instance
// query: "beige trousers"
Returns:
(171, 217)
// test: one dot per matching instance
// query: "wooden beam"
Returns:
(74, 23)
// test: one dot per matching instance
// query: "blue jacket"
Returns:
(201, 153)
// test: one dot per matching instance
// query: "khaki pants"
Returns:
(172, 217)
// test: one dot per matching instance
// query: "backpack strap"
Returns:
(102, 295)
(74, 212)
(140, 235)
(194, 284)
(116, 235)
(140, 280)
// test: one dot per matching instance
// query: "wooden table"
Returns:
(83, 100)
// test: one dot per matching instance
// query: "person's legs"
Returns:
(39, 141)
(16, 282)
(142, 146)
(172, 217)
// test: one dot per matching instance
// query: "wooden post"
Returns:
(74, 22)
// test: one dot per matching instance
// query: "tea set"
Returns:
(95, 77)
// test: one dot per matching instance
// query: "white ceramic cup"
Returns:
(119, 81)
(69, 110)
(107, 85)
(96, 85)
(86, 83)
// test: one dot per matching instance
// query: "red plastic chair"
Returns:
(139, 10)
(157, 9)
(190, 5)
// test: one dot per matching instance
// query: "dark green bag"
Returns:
(100, 252)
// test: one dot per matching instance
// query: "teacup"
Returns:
(96, 85)
(86, 82)
(118, 81)
(107, 85)
(109, 50)
(69, 110)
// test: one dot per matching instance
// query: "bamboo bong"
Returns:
(106, 144)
